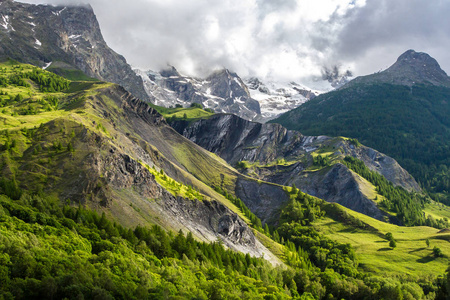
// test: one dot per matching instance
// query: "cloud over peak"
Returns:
(284, 39)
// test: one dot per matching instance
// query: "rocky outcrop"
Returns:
(42, 34)
(263, 199)
(383, 164)
(338, 184)
(235, 140)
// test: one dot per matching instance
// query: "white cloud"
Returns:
(285, 39)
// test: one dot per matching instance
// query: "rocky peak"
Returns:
(169, 72)
(410, 68)
(418, 67)
(223, 91)
(44, 34)
(227, 84)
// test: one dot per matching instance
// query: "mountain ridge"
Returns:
(275, 154)
(403, 115)
(411, 68)
(42, 35)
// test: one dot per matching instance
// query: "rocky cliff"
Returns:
(44, 35)
(272, 153)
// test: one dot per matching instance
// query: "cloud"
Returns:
(284, 39)
(382, 30)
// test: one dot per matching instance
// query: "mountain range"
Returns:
(158, 185)
(224, 91)
(402, 111)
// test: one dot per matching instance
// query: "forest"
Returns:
(409, 124)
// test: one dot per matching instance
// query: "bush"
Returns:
(197, 105)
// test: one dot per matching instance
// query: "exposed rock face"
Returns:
(222, 91)
(383, 164)
(41, 34)
(339, 184)
(235, 140)
(209, 219)
(263, 199)
(410, 68)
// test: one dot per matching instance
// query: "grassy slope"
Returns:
(410, 257)
(192, 113)
(88, 116)
(81, 108)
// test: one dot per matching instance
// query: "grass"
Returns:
(437, 210)
(410, 257)
(191, 113)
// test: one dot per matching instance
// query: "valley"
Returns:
(118, 183)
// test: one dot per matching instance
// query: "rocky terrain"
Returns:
(285, 157)
(67, 37)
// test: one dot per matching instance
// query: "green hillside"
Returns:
(411, 124)
(71, 227)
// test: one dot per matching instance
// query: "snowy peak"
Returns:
(227, 85)
(276, 98)
(223, 91)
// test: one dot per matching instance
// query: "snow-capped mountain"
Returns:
(223, 91)
(276, 98)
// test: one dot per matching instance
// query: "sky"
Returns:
(272, 39)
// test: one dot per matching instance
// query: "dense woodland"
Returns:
(409, 124)
(55, 251)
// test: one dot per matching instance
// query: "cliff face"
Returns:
(285, 157)
(44, 35)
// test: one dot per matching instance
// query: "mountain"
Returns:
(276, 98)
(65, 40)
(272, 153)
(94, 186)
(411, 68)
(98, 146)
(222, 91)
(403, 111)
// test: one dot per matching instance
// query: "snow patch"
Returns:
(57, 13)
(6, 23)
(38, 43)
(47, 65)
